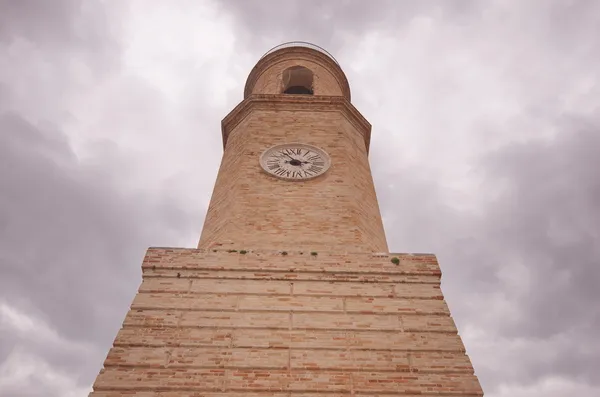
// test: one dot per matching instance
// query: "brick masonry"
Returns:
(219, 323)
(277, 320)
(250, 208)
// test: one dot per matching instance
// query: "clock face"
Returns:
(295, 161)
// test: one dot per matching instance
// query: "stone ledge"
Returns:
(220, 249)
(350, 265)
(158, 272)
(220, 392)
(372, 254)
(301, 380)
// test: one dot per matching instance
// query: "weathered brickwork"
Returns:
(337, 211)
(291, 291)
(213, 321)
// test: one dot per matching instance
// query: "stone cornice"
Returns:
(298, 103)
(297, 53)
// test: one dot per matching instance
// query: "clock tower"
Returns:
(292, 291)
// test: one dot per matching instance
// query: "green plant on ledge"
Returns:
(313, 253)
(395, 261)
(231, 250)
(243, 252)
(284, 253)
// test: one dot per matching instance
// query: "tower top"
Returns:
(296, 51)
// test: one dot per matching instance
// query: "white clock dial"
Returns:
(295, 161)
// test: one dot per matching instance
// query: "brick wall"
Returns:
(218, 323)
(336, 211)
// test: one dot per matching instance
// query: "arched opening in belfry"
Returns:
(298, 80)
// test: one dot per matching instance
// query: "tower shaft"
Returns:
(337, 211)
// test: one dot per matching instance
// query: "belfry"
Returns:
(292, 291)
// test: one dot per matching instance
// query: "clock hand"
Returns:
(293, 159)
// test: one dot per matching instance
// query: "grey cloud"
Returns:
(72, 234)
(322, 18)
(544, 213)
(56, 25)
(549, 219)
(55, 45)
(546, 218)
(38, 20)
(72, 237)
(71, 243)
(330, 24)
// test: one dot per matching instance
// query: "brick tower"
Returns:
(292, 291)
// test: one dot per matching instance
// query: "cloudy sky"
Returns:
(486, 134)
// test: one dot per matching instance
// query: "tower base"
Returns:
(225, 323)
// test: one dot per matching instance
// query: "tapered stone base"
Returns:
(223, 323)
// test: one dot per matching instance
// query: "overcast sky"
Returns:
(484, 150)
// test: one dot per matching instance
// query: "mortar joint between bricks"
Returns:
(409, 359)
(238, 300)
(168, 356)
(352, 392)
(230, 334)
(179, 318)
